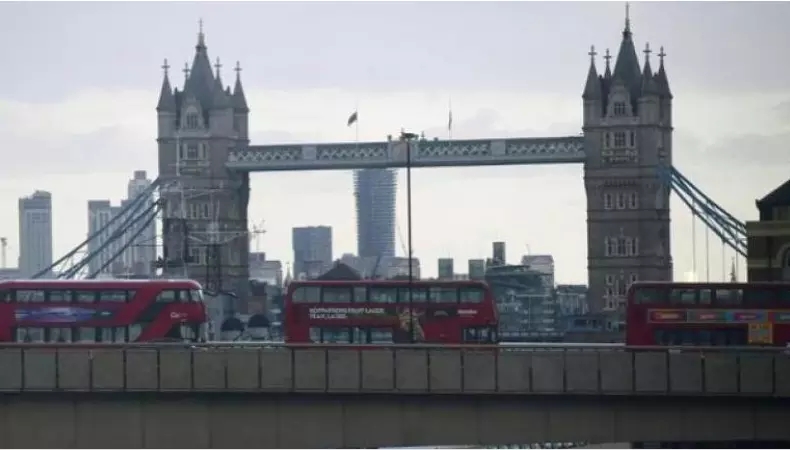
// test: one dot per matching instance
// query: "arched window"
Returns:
(192, 120)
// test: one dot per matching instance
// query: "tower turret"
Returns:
(240, 109)
(166, 106)
(648, 95)
(593, 95)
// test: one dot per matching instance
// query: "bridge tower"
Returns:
(628, 137)
(205, 216)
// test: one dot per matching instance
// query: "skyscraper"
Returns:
(312, 250)
(142, 250)
(100, 212)
(35, 233)
(374, 191)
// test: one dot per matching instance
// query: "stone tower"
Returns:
(628, 138)
(197, 126)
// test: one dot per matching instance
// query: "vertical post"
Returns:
(408, 231)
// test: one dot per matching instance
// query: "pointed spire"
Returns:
(648, 84)
(167, 101)
(661, 77)
(201, 43)
(592, 88)
(239, 99)
(627, 29)
(218, 66)
(201, 83)
(626, 68)
(186, 72)
(608, 73)
(221, 99)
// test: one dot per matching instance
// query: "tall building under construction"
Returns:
(374, 192)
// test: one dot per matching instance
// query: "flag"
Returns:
(352, 119)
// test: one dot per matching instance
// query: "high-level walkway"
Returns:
(275, 396)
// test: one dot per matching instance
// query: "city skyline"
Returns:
(716, 113)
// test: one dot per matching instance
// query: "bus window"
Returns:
(471, 294)
(134, 331)
(728, 297)
(29, 296)
(307, 294)
(84, 334)
(315, 335)
(58, 296)
(381, 336)
(119, 296)
(5, 296)
(336, 335)
(645, 295)
(383, 294)
(360, 294)
(85, 296)
(683, 296)
(440, 294)
(705, 297)
(336, 294)
(418, 295)
(758, 296)
(166, 296)
(196, 295)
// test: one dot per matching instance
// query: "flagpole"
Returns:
(450, 120)
(356, 126)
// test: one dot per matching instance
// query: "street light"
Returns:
(408, 138)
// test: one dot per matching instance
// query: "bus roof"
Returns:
(711, 284)
(105, 283)
(388, 282)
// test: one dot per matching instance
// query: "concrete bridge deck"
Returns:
(527, 370)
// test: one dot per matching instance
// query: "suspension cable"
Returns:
(694, 243)
(707, 255)
(724, 276)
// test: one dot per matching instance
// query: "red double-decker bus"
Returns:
(101, 311)
(382, 312)
(715, 314)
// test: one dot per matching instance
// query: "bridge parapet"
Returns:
(530, 370)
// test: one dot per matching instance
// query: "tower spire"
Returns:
(592, 88)
(239, 99)
(608, 57)
(201, 44)
(166, 99)
(186, 72)
(218, 66)
(627, 29)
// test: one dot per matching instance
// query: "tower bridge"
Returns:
(625, 147)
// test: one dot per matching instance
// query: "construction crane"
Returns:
(255, 234)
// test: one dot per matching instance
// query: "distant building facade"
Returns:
(312, 247)
(35, 233)
(477, 269)
(446, 270)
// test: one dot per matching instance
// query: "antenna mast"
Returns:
(4, 245)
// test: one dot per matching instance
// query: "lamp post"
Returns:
(408, 138)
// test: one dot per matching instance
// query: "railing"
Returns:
(523, 369)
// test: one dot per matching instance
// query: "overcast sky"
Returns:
(79, 83)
